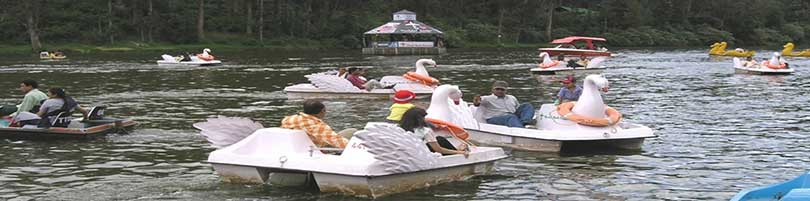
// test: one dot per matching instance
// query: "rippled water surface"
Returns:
(718, 132)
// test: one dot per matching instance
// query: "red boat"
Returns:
(576, 46)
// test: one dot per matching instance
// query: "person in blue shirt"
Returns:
(569, 92)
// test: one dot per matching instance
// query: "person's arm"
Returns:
(85, 113)
(560, 94)
(319, 131)
(435, 146)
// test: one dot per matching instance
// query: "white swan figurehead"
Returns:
(775, 59)
(590, 103)
(546, 58)
(446, 105)
(206, 51)
(420, 66)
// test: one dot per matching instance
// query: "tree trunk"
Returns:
(261, 21)
(550, 19)
(109, 21)
(149, 21)
(249, 24)
(31, 24)
(200, 21)
(500, 24)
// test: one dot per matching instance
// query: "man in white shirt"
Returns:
(502, 109)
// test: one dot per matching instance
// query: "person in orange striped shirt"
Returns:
(318, 131)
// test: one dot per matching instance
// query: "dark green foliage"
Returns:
(340, 24)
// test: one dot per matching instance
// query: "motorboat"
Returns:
(94, 126)
(330, 85)
(719, 49)
(379, 160)
(204, 59)
(797, 189)
(568, 46)
(551, 67)
(769, 67)
(553, 132)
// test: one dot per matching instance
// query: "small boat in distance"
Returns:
(793, 190)
(58, 55)
(765, 68)
(203, 59)
(569, 46)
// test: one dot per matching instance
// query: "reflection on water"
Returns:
(718, 132)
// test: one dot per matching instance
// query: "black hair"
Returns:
(352, 69)
(31, 83)
(69, 102)
(313, 107)
(413, 118)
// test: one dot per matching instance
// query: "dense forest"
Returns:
(340, 23)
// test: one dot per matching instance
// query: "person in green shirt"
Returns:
(33, 97)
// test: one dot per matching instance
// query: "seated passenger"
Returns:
(402, 102)
(414, 121)
(569, 92)
(342, 73)
(356, 78)
(502, 109)
(750, 63)
(583, 61)
(33, 97)
(58, 101)
(318, 131)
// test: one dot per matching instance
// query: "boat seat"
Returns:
(61, 120)
(96, 113)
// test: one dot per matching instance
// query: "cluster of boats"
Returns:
(385, 159)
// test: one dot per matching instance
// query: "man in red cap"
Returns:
(402, 102)
(570, 91)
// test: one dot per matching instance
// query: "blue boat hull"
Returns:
(793, 190)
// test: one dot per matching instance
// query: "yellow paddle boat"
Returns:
(51, 56)
(788, 51)
(719, 49)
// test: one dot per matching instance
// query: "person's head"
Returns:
(403, 96)
(354, 71)
(570, 82)
(342, 70)
(28, 85)
(560, 57)
(413, 118)
(56, 93)
(499, 88)
(749, 58)
(314, 108)
(583, 57)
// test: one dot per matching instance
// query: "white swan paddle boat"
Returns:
(553, 132)
(764, 68)
(551, 67)
(329, 85)
(380, 160)
(204, 59)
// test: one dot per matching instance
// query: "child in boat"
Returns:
(414, 121)
(402, 102)
(5, 114)
(583, 61)
(750, 62)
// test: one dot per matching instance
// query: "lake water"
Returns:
(718, 132)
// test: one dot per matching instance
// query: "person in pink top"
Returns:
(355, 77)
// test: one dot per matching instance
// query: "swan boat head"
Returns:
(422, 63)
